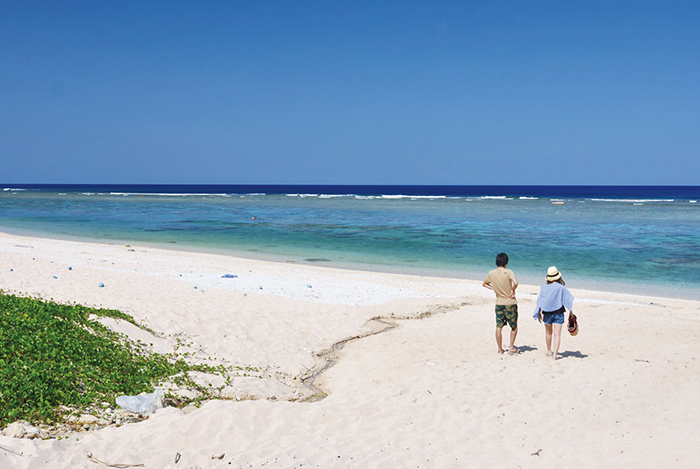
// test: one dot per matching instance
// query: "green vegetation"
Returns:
(53, 354)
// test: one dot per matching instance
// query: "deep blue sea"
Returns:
(640, 239)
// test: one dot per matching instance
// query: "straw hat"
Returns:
(553, 274)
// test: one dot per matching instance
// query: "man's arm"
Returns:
(514, 285)
(485, 284)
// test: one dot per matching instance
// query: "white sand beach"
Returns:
(372, 370)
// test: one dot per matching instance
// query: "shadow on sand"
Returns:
(575, 354)
(526, 348)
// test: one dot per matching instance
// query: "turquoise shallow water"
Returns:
(642, 245)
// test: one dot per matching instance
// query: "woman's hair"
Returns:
(559, 280)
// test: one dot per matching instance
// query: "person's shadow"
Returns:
(567, 354)
(526, 348)
(575, 354)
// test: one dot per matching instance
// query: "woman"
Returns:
(552, 303)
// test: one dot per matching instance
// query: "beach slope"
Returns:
(353, 369)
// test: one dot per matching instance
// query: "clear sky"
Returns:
(330, 92)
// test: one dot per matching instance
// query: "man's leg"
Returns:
(500, 322)
(512, 316)
(513, 335)
(499, 339)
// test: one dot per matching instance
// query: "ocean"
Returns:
(637, 239)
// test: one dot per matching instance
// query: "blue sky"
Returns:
(403, 92)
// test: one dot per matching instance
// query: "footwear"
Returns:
(572, 327)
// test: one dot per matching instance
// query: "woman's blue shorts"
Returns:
(553, 318)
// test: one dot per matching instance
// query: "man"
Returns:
(503, 282)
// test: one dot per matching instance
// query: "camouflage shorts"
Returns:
(507, 314)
